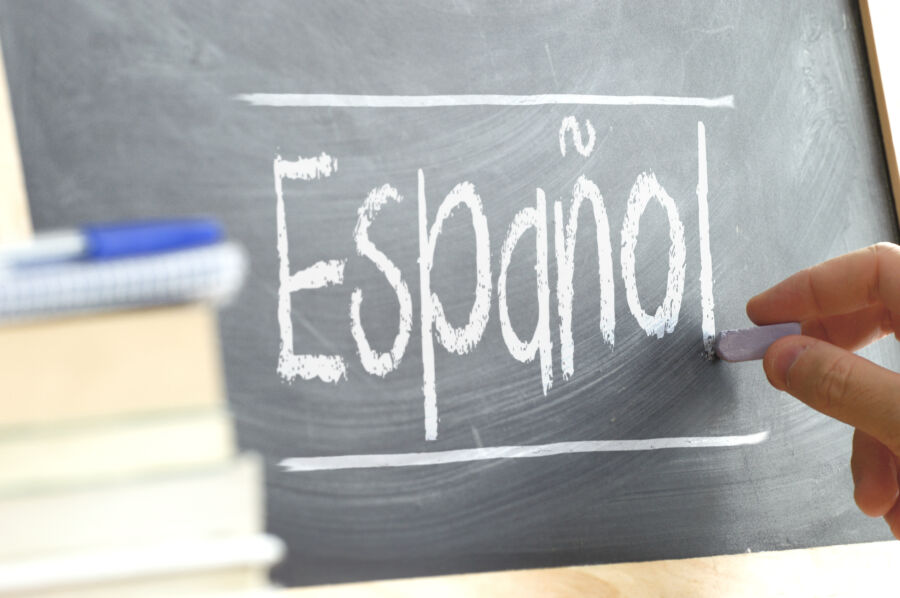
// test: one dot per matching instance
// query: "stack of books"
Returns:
(119, 474)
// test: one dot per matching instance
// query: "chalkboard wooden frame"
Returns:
(15, 222)
(880, 20)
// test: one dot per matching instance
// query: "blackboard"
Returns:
(740, 136)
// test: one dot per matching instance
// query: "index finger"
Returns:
(841, 285)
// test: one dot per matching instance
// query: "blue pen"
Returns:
(111, 241)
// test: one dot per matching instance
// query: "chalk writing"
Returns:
(433, 320)
(570, 124)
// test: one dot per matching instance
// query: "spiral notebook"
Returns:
(212, 273)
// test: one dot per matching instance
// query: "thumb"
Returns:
(839, 384)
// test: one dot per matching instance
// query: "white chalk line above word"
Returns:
(305, 464)
(322, 100)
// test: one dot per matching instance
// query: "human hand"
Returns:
(843, 305)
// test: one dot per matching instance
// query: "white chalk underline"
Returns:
(319, 100)
(304, 464)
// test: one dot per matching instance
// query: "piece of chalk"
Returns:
(751, 343)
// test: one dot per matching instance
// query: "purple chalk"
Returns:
(751, 343)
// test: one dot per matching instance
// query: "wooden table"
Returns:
(858, 570)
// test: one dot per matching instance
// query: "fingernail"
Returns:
(749, 305)
(785, 359)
